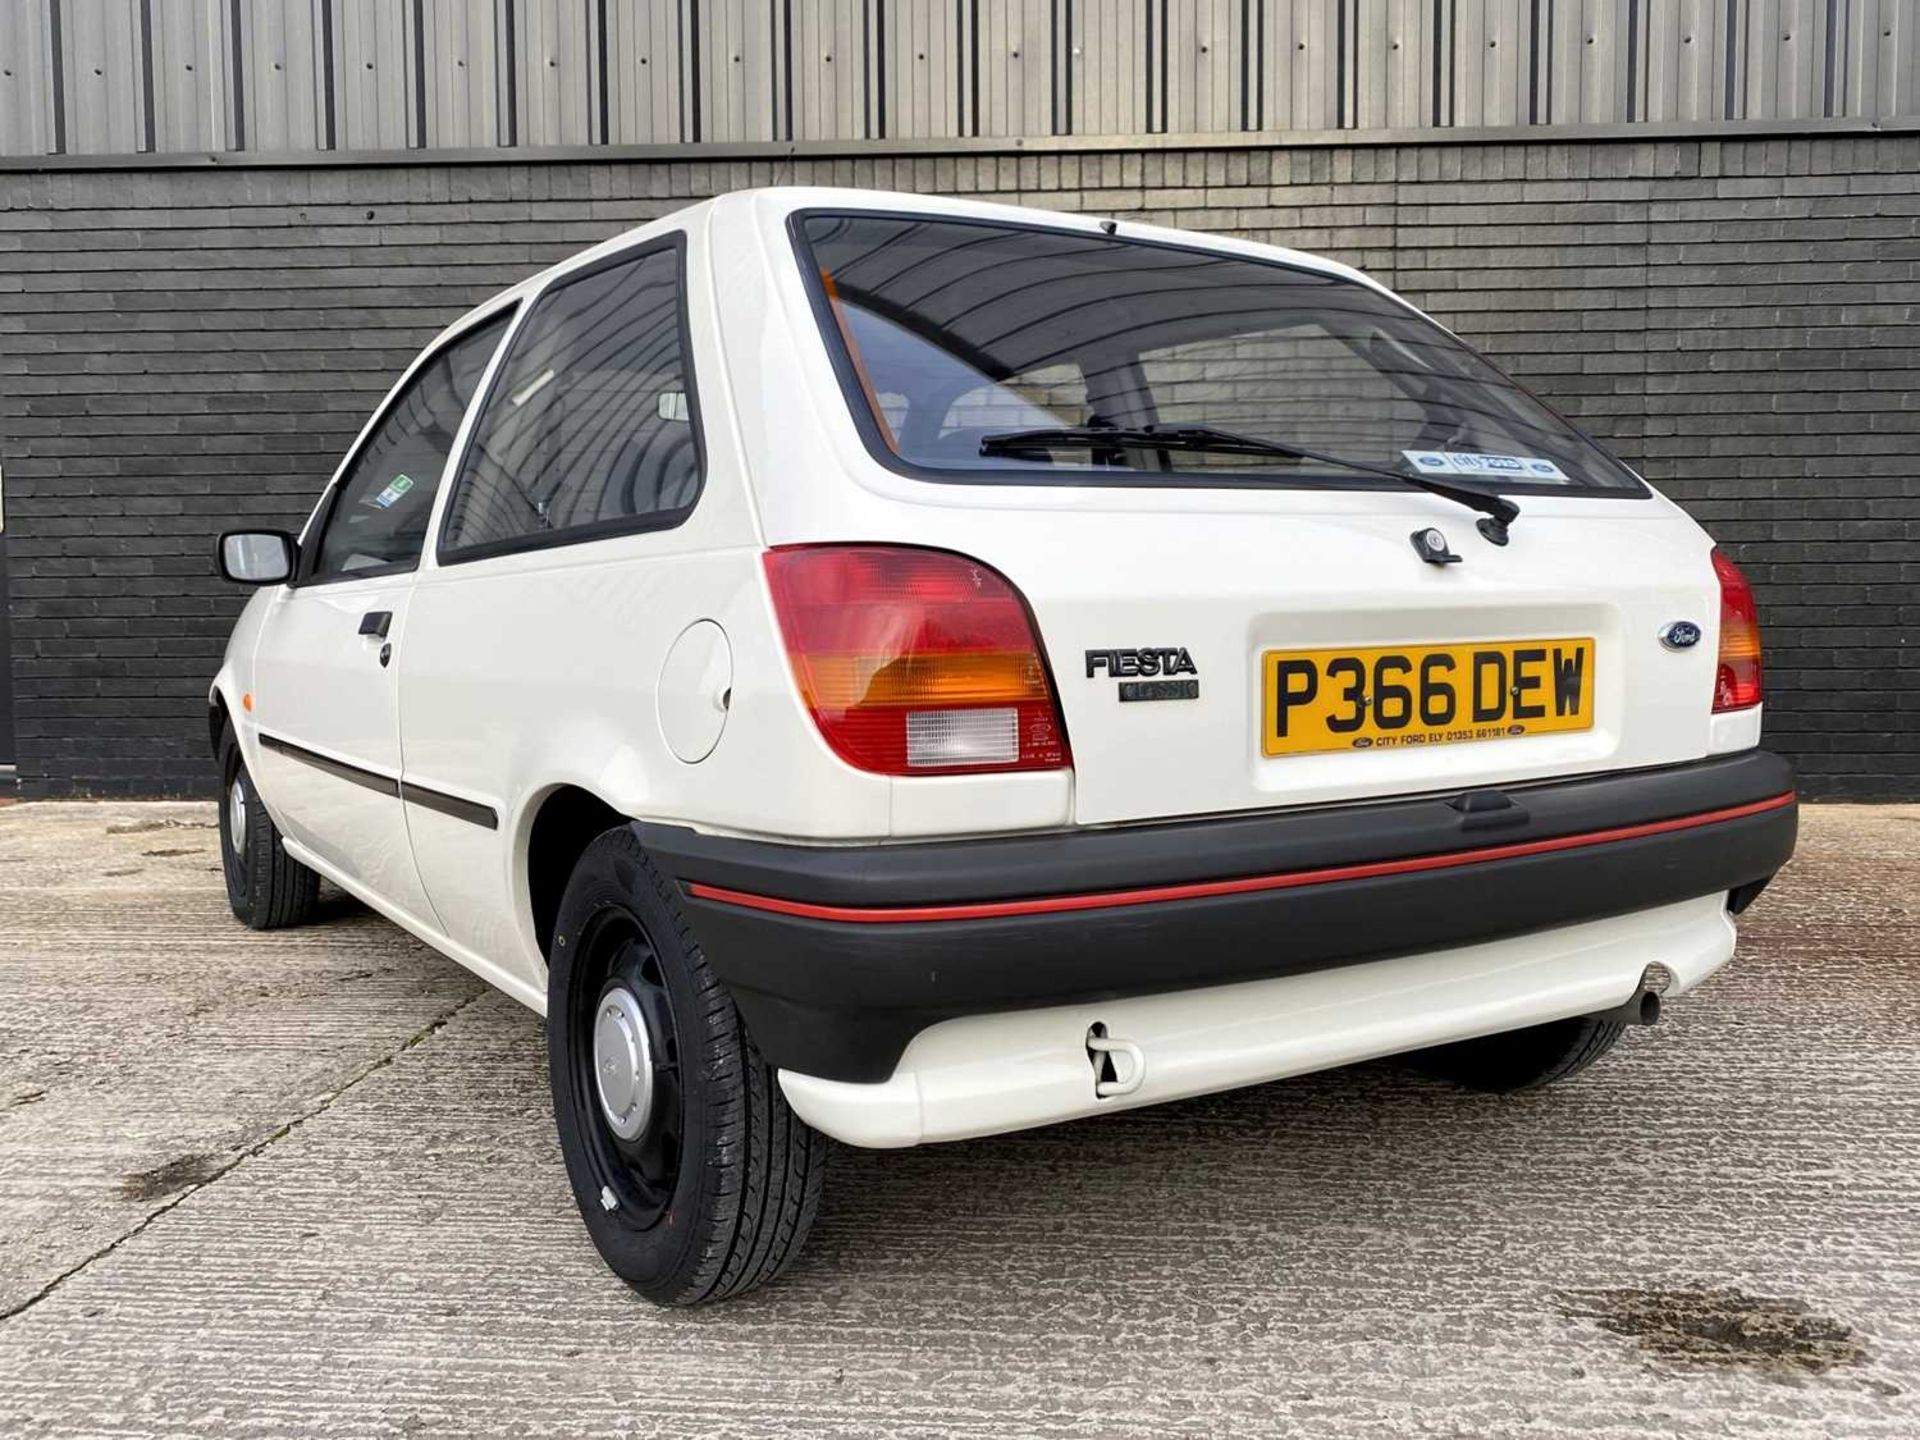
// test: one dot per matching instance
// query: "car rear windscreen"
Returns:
(949, 333)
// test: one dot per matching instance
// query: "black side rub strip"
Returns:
(339, 769)
(471, 811)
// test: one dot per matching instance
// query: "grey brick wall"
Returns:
(183, 350)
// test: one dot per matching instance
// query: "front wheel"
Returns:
(267, 888)
(695, 1179)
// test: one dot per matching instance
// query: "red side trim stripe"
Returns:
(1205, 889)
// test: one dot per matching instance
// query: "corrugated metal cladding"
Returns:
(123, 76)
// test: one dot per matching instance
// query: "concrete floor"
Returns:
(306, 1184)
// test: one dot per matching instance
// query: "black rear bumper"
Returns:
(839, 955)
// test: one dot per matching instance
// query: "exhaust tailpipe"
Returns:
(1642, 1008)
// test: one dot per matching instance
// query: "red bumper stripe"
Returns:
(1206, 889)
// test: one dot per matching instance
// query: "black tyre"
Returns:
(267, 887)
(1521, 1059)
(695, 1179)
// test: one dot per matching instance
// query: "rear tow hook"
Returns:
(1119, 1066)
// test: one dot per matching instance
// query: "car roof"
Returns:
(768, 209)
(775, 204)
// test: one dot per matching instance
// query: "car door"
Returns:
(326, 683)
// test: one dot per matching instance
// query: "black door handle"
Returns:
(376, 622)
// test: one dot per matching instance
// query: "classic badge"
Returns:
(1164, 661)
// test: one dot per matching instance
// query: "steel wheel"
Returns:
(628, 1072)
(236, 853)
(237, 816)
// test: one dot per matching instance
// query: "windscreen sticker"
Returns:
(400, 485)
(1508, 467)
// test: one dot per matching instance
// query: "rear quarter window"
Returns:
(591, 427)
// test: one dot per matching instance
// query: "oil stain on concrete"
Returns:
(1726, 1328)
(181, 1173)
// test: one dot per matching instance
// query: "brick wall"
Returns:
(183, 350)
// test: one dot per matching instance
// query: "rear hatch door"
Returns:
(1211, 662)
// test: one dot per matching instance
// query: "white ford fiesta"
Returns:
(900, 669)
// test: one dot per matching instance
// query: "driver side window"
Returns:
(378, 519)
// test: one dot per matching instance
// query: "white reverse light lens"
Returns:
(945, 738)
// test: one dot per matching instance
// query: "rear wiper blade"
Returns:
(1499, 510)
(1124, 437)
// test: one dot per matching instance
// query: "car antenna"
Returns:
(1110, 226)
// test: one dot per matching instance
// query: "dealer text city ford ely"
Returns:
(900, 669)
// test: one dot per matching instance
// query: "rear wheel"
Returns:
(267, 888)
(1522, 1059)
(695, 1179)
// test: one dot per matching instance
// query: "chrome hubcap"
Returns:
(236, 817)
(623, 1063)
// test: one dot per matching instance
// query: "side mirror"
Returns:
(257, 557)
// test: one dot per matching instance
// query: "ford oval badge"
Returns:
(1680, 635)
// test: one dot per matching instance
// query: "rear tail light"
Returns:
(1736, 684)
(916, 662)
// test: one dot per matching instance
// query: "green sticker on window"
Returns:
(401, 484)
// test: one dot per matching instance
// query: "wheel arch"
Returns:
(218, 718)
(565, 821)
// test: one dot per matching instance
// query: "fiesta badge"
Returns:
(1680, 635)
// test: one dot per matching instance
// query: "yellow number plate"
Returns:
(1406, 695)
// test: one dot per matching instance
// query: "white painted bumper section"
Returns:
(989, 1073)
